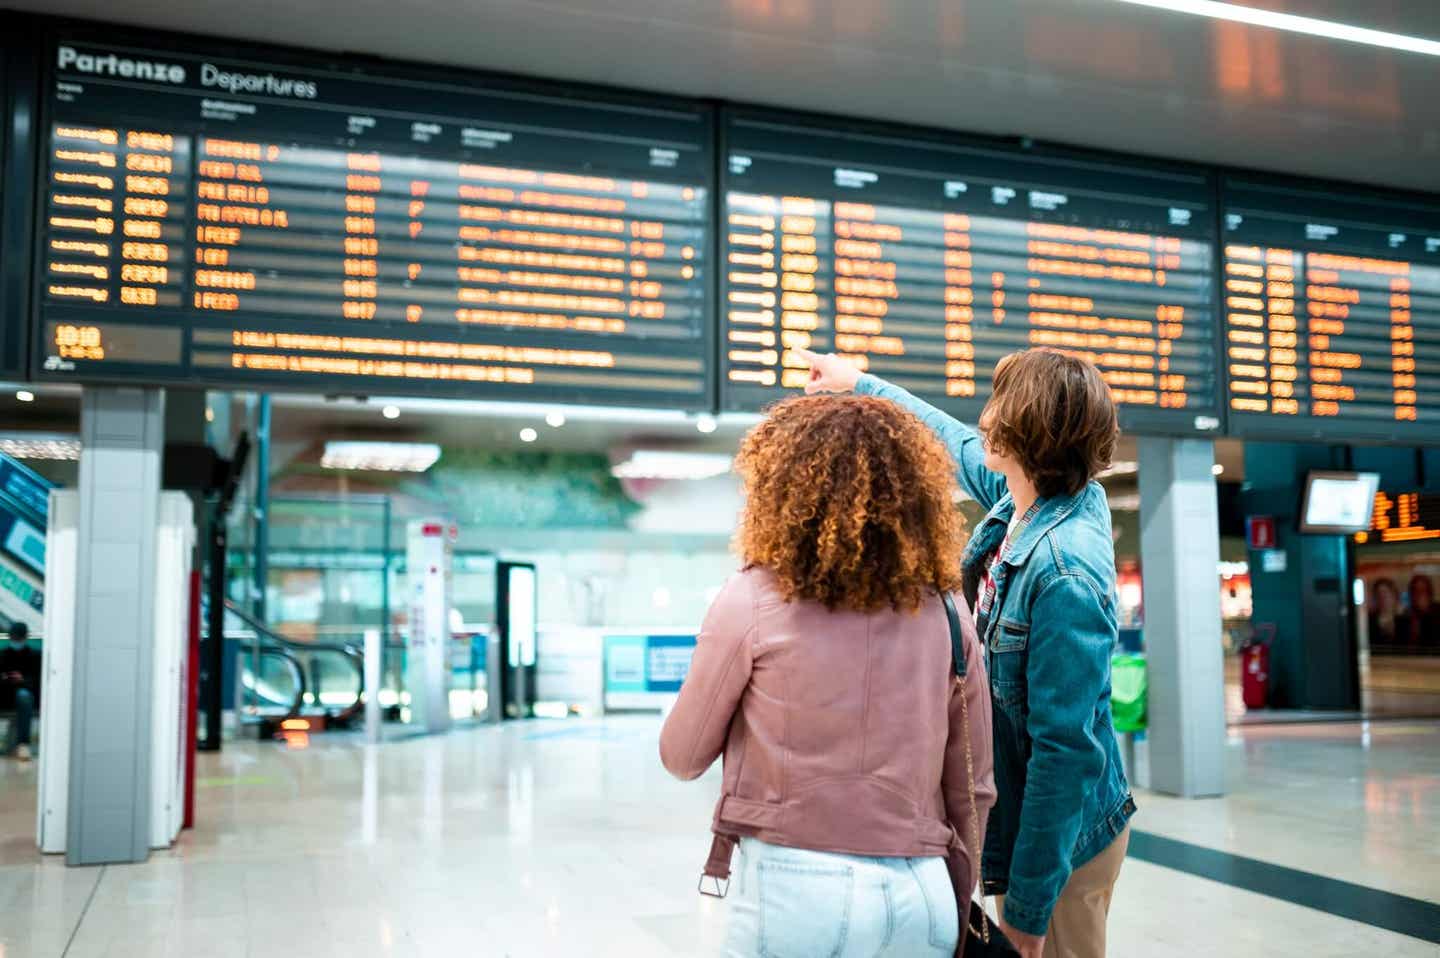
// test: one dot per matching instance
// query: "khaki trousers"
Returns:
(1077, 926)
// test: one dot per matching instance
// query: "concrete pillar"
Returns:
(122, 435)
(1180, 555)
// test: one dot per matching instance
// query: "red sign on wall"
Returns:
(1260, 532)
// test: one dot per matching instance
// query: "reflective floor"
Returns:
(566, 838)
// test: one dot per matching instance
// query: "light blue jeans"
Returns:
(794, 903)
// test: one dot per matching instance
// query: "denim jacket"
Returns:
(1063, 797)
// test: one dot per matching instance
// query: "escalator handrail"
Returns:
(349, 652)
(280, 651)
(270, 635)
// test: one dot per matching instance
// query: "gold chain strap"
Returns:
(984, 930)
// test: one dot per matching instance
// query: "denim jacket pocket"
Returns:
(1008, 642)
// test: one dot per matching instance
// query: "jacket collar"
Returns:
(1049, 513)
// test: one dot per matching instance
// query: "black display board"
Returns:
(928, 260)
(17, 174)
(1332, 314)
(265, 221)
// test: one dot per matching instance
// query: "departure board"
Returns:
(1332, 315)
(16, 172)
(1403, 517)
(927, 261)
(263, 223)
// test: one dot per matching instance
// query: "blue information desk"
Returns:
(643, 672)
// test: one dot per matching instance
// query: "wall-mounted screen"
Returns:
(1332, 315)
(1339, 502)
(272, 222)
(927, 261)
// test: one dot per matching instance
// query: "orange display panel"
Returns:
(346, 231)
(925, 263)
(1332, 316)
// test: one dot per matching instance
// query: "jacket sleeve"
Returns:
(1072, 633)
(964, 443)
(694, 733)
(972, 696)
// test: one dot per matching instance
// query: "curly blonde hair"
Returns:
(850, 503)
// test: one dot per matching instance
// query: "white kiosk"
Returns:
(175, 544)
(428, 564)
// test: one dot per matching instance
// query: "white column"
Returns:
(122, 440)
(1179, 556)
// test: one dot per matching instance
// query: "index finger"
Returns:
(811, 359)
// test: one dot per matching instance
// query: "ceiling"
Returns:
(301, 424)
(1089, 72)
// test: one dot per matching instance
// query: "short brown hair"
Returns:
(850, 503)
(1052, 412)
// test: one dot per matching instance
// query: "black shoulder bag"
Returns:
(982, 940)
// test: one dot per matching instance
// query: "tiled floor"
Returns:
(568, 839)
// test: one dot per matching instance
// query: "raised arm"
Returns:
(833, 374)
(964, 443)
(694, 734)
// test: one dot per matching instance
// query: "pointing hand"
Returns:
(829, 373)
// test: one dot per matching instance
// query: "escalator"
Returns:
(24, 508)
(285, 683)
(277, 679)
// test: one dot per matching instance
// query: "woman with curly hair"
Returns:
(857, 751)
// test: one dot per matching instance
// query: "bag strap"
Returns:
(957, 655)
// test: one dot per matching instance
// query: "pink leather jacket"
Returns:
(841, 731)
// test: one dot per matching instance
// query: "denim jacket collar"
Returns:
(1049, 513)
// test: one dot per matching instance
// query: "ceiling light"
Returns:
(1311, 26)
(555, 419)
(25, 395)
(706, 424)
(391, 412)
(659, 464)
(528, 435)
(1217, 470)
(40, 446)
(380, 456)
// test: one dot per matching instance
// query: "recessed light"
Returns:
(1313, 26)
(1217, 470)
(528, 435)
(391, 412)
(25, 395)
(555, 419)
(671, 464)
(380, 456)
(706, 424)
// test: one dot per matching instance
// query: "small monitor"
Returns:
(1338, 503)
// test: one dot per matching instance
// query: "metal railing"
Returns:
(312, 667)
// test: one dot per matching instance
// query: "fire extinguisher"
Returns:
(1255, 669)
